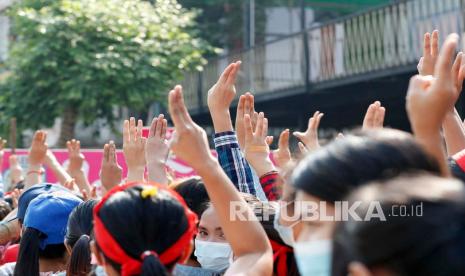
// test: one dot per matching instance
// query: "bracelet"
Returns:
(39, 172)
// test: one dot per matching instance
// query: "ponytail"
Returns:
(80, 259)
(151, 265)
(28, 256)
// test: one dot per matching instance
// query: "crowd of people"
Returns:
(325, 210)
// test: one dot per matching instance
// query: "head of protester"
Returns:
(42, 248)
(409, 225)
(77, 239)
(142, 230)
(329, 174)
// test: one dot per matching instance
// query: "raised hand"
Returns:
(374, 117)
(309, 138)
(256, 147)
(38, 149)
(244, 106)
(430, 99)
(16, 171)
(110, 171)
(76, 158)
(189, 141)
(156, 150)
(430, 54)
(282, 155)
(134, 149)
(220, 97)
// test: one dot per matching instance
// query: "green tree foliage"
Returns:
(78, 59)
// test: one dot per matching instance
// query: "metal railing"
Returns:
(379, 39)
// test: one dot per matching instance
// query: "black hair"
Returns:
(77, 237)
(194, 193)
(332, 172)
(144, 224)
(30, 252)
(427, 243)
(5, 209)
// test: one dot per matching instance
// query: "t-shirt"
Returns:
(9, 269)
(11, 254)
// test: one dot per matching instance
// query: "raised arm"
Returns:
(257, 153)
(226, 141)
(429, 99)
(309, 138)
(52, 163)
(134, 149)
(110, 171)
(75, 166)
(253, 254)
(156, 150)
(36, 158)
(454, 132)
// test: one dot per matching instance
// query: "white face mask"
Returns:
(314, 257)
(215, 256)
(285, 232)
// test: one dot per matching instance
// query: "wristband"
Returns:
(39, 172)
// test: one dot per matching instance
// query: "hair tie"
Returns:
(149, 192)
(147, 253)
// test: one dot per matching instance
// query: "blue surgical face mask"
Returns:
(285, 232)
(314, 257)
(215, 256)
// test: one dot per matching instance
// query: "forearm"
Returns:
(60, 173)
(9, 231)
(157, 173)
(232, 160)
(81, 180)
(135, 174)
(432, 143)
(262, 167)
(33, 175)
(221, 120)
(224, 197)
(454, 133)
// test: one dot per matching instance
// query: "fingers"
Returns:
(264, 132)
(159, 128)
(302, 148)
(299, 135)
(106, 153)
(153, 127)
(164, 128)
(427, 45)
(369, 119)
(435, 43)
(379, 117)
(444, 64)
(224, 76)
(456, 67)
(112, 153)
(420, 65)
(126, 135)
(269, 140)
(314, 122)
(259, 127)
(232, 76)
(248, 128)
(241, 107)
(283, 142)
(177, 109)
(140, 126)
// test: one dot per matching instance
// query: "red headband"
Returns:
(129, 265)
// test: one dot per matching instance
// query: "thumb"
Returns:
(298, 134)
